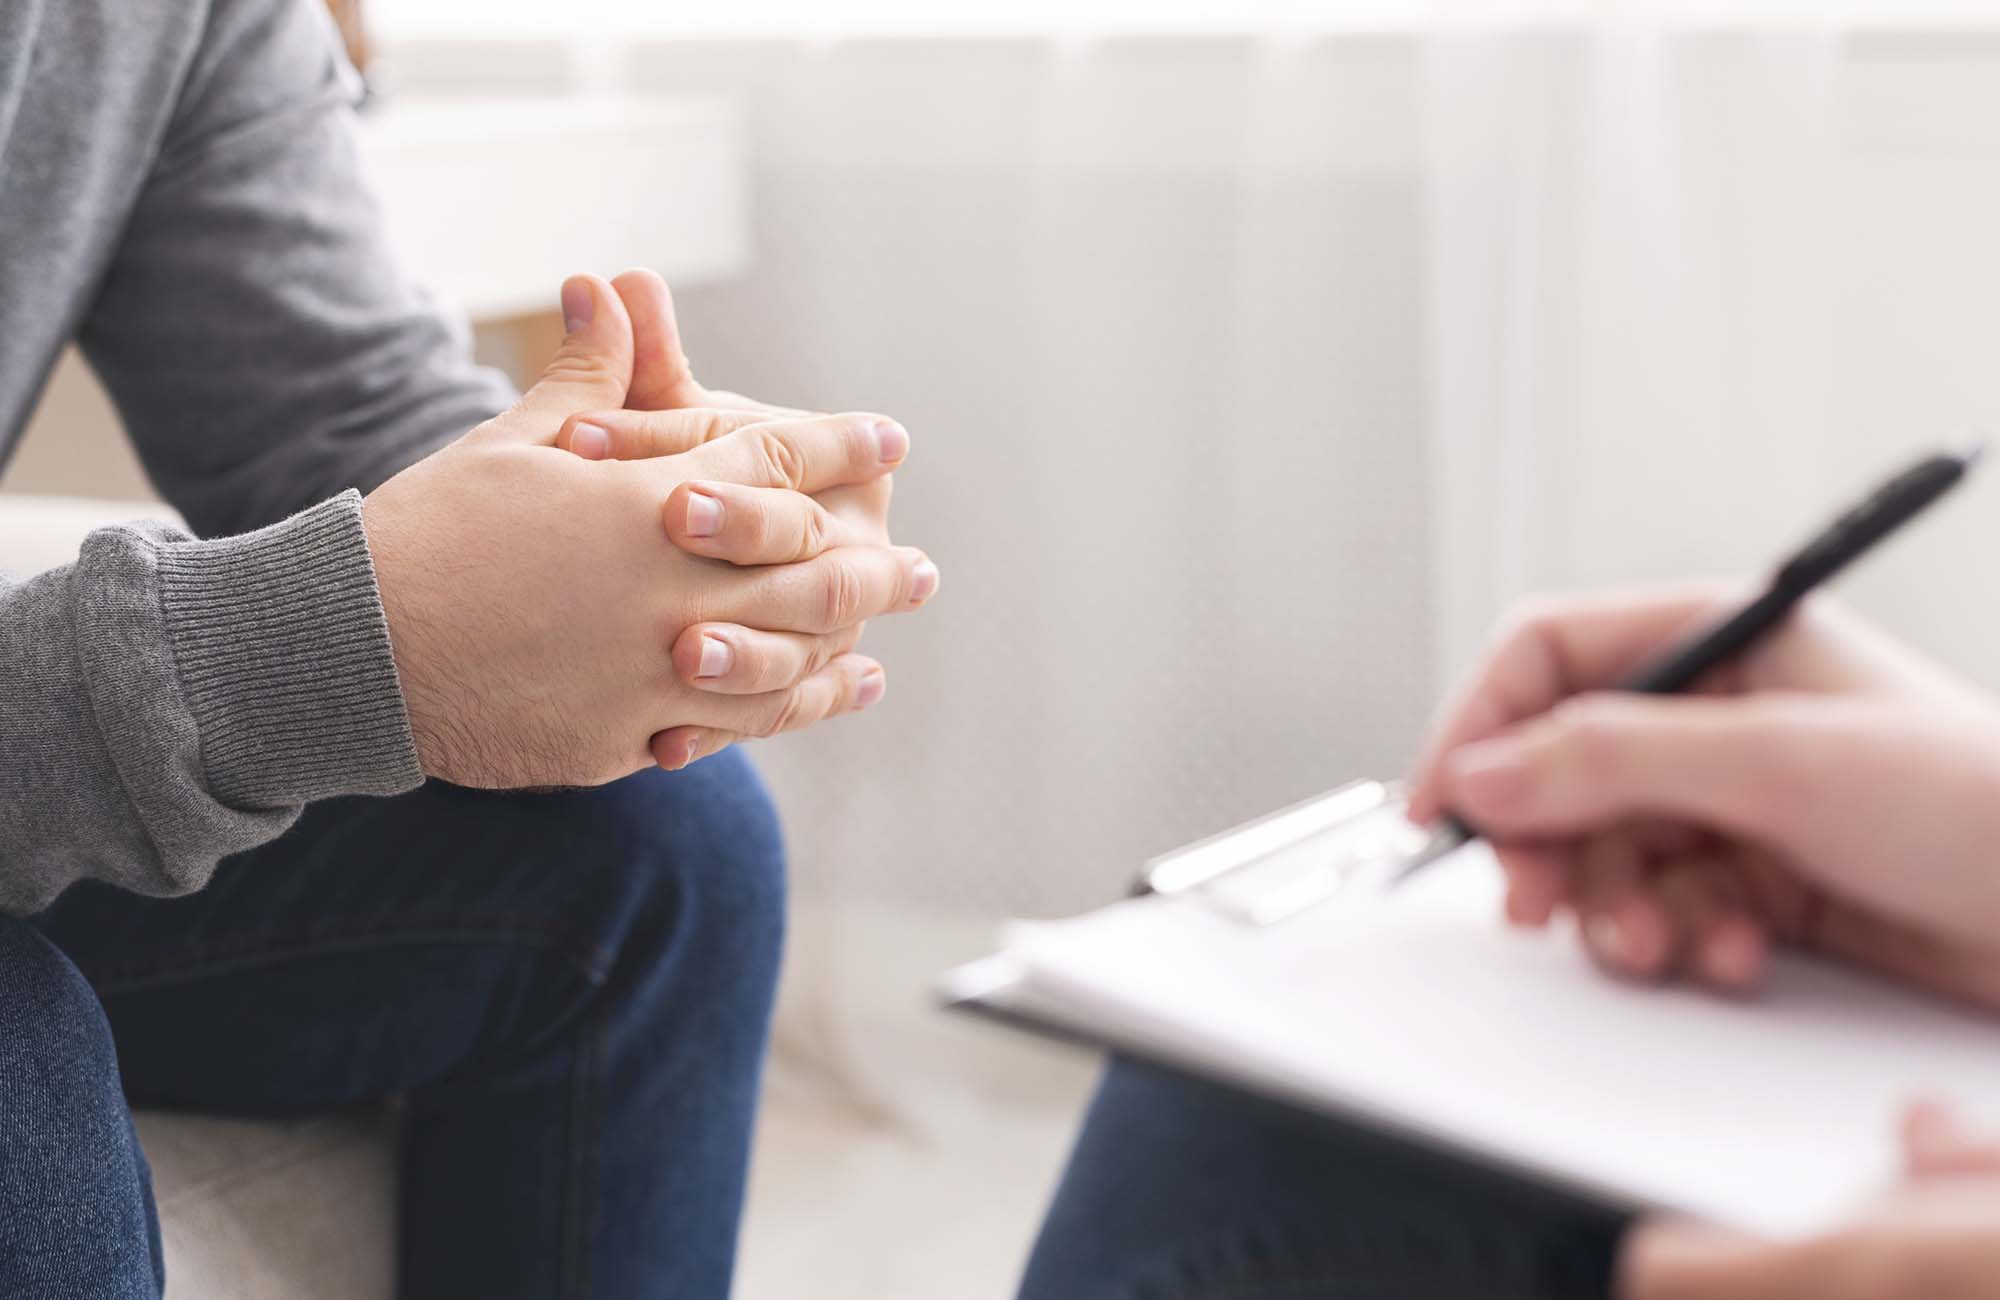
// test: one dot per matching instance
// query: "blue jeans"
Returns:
(570, 993)
(1183, 1190)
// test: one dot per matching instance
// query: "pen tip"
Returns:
(1973, 451)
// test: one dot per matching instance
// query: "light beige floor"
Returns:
(904, 1154)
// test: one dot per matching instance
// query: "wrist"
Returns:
(404, 623)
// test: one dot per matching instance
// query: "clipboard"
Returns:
(1272, 958)
(1297, 858)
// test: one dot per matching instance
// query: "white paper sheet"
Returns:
(1419, 1009)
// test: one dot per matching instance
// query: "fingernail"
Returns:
(590, 441)
(892, 441)
(1489, 774)
(704, 518)
(871, 689)
(717, 657)
(923, 582)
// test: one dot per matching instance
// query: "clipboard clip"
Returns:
(1295, 859)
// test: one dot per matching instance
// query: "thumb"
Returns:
(662, 377)
(1601, 758)
(590, 371)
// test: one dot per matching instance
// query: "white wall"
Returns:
(1745, 274)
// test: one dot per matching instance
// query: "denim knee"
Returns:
(75, 1199)
(53, 1034)
(698, 857)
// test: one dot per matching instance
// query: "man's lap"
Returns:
(383, 943)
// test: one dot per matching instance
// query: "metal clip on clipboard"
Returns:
(1294, 859)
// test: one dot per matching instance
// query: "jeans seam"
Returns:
(593, 1181)
(593, 967)
(580, 1203)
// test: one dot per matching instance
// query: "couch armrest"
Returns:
(40, 532)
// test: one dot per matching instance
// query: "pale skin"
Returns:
(667, 410)
(1832, 791)
(547, 633)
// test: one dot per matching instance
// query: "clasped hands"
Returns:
(546, 632)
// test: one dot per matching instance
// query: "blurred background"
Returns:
(1257, 355)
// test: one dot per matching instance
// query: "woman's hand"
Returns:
(1830, 790)
(1936, 1238)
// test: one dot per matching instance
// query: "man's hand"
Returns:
(536, 612)
(1938, 1238)
(663, 377)
(1830, 790)
(668, 412)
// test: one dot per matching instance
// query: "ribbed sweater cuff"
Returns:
(283, 653)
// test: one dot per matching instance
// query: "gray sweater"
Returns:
(179, 194)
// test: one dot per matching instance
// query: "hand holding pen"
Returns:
(1824, 787)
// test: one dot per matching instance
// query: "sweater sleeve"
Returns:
(263, 344)
(170, 701)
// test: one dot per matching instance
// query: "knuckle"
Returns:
(763, 717)
(1585, 730)
(710, 425)
(790, 713)
(655, 433)
(820, 653)
(815, 529)
(572, 363)
(1532, 618)
(778, 455)
(841, 595)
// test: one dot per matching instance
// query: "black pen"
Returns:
(1888, 508)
